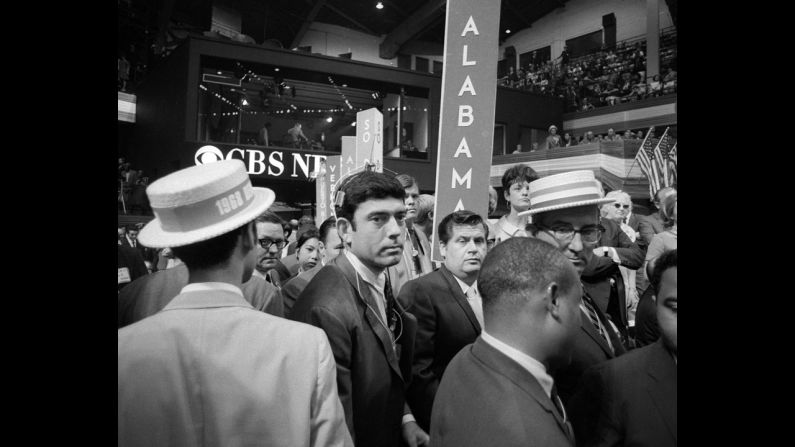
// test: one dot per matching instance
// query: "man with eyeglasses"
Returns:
(270, 232)
(565, 210)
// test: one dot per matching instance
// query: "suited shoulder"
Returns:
(631, 362)
(324, 290)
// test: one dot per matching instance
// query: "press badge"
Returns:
(124, 275)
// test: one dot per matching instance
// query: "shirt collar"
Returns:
(377, 280)
(209, 286)
(533, 366)
(510, 228)
(464, 287)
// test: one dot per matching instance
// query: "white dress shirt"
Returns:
(473, 298)
(376, 282)
(533, 366)
(208, 286)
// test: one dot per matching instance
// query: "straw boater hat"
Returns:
(567, 190)
(202, 202)
(550, 127)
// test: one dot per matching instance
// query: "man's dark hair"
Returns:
(664, 262)
(305, 221)
(270, 216)
(326, 226)
(406, 181)
(305, 236)
(518, 265)
(365, 186)
(131, 227)
(212, 252)
(518, 173)
(462, 217)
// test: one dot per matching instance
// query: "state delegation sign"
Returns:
(466, 123)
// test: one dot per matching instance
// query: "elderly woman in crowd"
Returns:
(553, 139)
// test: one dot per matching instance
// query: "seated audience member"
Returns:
(632, 400)
(331, 246)
(611, 135)
(652, 224)
(565, 209)
(351, 299)
(516, 190)
(270, 232)
(498, 390)
(567, 140)
(628, 135)
(553, 139)
(447, 305)
(665, 240)
(210, 369)
(416, 258)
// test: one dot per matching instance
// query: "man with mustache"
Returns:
(565, 210)
(351, 299)
(447, 305)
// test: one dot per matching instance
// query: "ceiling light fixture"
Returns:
(507, 31)
(329, 119)
(276, 69)
(379, 5)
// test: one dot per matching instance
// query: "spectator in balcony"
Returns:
(513, 78)
(639, 134)
(535, 147)
(297, 135)
(586, 105)
(568, 141)
(589, 138)
(628, 135)
(611, 135)
(655, 87)
(553, 139)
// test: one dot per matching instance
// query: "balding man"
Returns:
(498, 391)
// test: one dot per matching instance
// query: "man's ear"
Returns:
(249, 237)
(552, 299)
(345, 230)
(443, 249)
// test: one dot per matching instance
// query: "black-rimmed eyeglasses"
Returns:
(565, 233)
(266, 243)
(619, 206)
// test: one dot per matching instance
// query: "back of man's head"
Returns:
(664, 262)
(516, 269)
(329, 224)
(210, 253)
(365, 186)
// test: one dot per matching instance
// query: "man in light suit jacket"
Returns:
(447, 305)
(209, 369)
(416, 259)
(149, 294)
(351, 299)
(632, 400)
(498, 391)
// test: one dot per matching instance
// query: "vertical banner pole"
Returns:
(466, 116)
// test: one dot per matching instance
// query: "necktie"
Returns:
(391, 311)
(415, 250)
(562, 410)
(594, 317)
(476, 304)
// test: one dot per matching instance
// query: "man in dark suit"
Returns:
(131, 240)
(498, 391)
(565, 209)
(351, 299)
(447, 305)
(632, 400)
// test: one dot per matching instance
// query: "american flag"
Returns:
(661, 156)
(650, 167)
(672, 165)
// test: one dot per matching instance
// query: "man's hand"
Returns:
(414, 435)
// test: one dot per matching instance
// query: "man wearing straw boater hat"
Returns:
(209, 369)
(565, 212)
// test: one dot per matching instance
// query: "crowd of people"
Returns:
(606, 77)
(132, 189)
(568, 139)
(534, 329)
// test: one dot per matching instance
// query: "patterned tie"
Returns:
(594, 317)
(391, 311)
(562, 410)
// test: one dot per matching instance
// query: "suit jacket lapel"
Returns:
(460, 298)
(363, 292)
(662, 369)
(507, 367)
